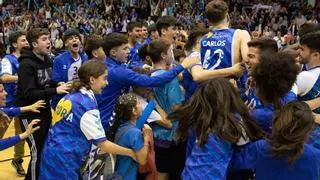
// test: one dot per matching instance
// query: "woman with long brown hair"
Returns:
(285, 154)
(214, 119)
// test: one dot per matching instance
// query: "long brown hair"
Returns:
(91, 68)
(214, 108)
(290, 130)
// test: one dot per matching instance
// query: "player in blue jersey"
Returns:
(121, 78)
(134, 37)
(8, 74)
(219, 120)
(223, 47)
(9, 65)
(308, 82)
(285, 154)
(76, 125)
(197, 74)
(66, 65)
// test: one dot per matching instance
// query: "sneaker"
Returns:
(17, 164)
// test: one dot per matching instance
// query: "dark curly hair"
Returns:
(290, 130)
(123, 110)
(274, 76)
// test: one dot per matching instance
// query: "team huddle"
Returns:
(225, 107)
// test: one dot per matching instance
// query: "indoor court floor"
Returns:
(7, 172)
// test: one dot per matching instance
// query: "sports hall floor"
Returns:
(7, 172)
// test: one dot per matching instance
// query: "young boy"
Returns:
(66, 65)
(8, 75)
(94, 48)
(35, 84)
(134, 38)
(223, 47)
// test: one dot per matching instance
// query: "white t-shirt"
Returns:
(154, 116)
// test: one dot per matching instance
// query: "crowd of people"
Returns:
(162, 89)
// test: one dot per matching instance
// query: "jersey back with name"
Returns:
(217, 49)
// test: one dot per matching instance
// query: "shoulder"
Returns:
(82, 99)
(61, 57)
(5, 60)
(312, 152)
(208, 35)
(242, 34)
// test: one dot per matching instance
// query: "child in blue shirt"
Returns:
(128, 135)
(219, 120)
(285, 154)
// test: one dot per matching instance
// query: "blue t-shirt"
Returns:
(9, 65)
(264, 114)
(168, 96)
(129, 136)
(258, 156)
(76, 125)
(209, 161)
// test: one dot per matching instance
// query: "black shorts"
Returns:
(171, 160)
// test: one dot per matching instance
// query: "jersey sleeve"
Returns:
(305, 82)
(6, 67)
(12, 112)
(90, 125)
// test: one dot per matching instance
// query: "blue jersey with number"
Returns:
(65, 69)
(9, 65)
(217, 49)
(76, 125)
